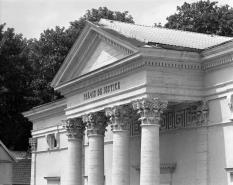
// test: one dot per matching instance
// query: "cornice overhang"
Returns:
(217, 51)
(217, 57)
(146, 57)
(99, 74)
(87, 35)
(170, 55)
(46, 110)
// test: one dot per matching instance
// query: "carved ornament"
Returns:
(150, 110)
(75, 128)
(33, 144)
(96, 123)
(119, 117)
(230, 104)
(201, 110)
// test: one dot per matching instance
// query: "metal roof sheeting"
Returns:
(164, 36)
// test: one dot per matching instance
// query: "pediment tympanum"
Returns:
(104, 54)
(93, 50)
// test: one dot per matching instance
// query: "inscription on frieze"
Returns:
(102, 91)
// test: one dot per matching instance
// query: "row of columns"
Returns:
(95, 124)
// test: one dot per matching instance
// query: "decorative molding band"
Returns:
(173, 120)
(115, 45)
(210, 65)
(107, 75)
(85, 52)
(173, 65)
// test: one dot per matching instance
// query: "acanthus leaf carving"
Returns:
(201, 110)
(75, 128)
(119, 117)
(96, 123)
(33, 144)
(150, 110)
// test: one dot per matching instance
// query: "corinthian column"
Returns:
(96, 127)
(120, 164)
(33, 143)
(75, 129)
(150, 111)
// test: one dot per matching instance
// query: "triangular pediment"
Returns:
(93, 50)
(103, 55)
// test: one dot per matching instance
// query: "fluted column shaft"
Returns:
(150, 111)
(150, 161)
(75, 129)
(96, 160)
(96, 127)
(74, 170)
(121, 154)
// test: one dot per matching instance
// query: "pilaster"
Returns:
(202, 143)
(33, 145)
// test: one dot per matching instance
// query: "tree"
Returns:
(203, 17)
(15, 89)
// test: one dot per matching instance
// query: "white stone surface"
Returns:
(33, 168)
(150, 161)
(96, 160)
(202, 156)
(104, 54)
(74, 162)
(121, 158)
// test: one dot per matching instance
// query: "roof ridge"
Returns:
(168, 29)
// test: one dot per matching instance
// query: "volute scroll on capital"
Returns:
(119, 117)
(96, 123)
(150, 110)
(75, 128)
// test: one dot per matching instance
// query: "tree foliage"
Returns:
(203, 17)
(28, 66)
(15, 91)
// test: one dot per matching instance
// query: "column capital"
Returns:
(33, 144)
(150, 109)
(75, 128)
(96, 123)
(119, 116)
(202, 111)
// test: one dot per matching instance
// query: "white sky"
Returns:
(31, 17)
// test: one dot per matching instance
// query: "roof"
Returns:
(8, 152)
(22, 172)
(164, 36)
(21, 154)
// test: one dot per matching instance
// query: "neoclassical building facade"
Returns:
(143, 106)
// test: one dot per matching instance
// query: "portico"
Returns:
(138, 110)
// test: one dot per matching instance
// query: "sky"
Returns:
(32, 17)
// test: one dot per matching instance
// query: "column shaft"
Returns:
(150, 161)
(96, 160)
(121, 159)
(74, 175)
(33, 168)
